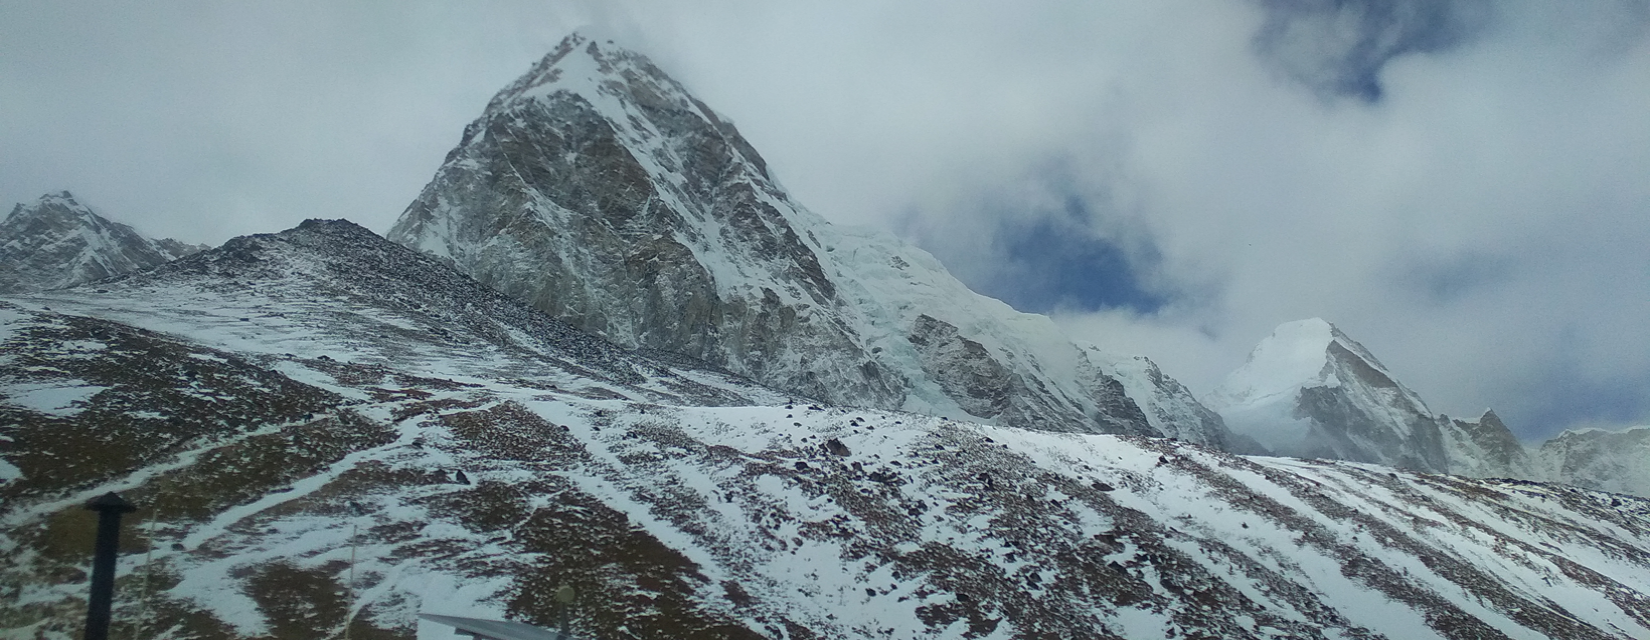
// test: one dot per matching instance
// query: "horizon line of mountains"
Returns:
(603, 347)
(1340, 403)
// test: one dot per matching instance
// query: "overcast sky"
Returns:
(1461, 185)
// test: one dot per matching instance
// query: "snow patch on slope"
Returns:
(1294, 356)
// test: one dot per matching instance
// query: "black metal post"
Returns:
(109, 508)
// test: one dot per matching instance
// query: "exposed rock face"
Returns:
(58, 242)
(1173, 410)
(1486, 448)
(598, 189)
(962, 367)
(595, 188)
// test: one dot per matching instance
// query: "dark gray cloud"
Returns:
(1571, 394)
(1442, 280)
(1054, 264)
(1461, 191)
(1046, 245)
(1339, 47)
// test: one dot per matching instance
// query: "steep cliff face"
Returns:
(1171, 408)
(58, 242)
(598, 189)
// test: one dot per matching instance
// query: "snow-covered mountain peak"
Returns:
(640, 102)
(60, 202)
(1302, 354)
(601, 191)
(58, 242)
(60, 208)
(1294, 355)
(1309, 390)
(1599, 459)
(586, 65)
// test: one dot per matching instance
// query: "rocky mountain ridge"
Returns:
(57, 242)
(1310, 391)
(327, 431)
(598, 189)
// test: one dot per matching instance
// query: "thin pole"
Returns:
(349, 605)
(99, 604)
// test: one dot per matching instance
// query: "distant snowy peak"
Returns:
(1486, 448)
(598, 189)
(1295, 355)
(1599, 459)
(1302, 354)
(59, 242)
(1309, 390)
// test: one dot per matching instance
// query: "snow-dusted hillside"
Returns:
(287, 402)
(598, 189)
(57, 242)
(1310, 391)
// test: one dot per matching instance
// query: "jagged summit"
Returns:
(581, 64)
(62, 201)
(1294, 354)
(1299, 354)
(58, 242)
(600, 190)
(1308, 390)
(1486, 447)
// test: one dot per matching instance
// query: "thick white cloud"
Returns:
(1482, 226)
